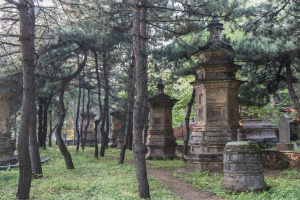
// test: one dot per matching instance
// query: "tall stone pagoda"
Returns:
(90, 133)
(115, 129)
(217, 108)
(7, 145)
(161, 142)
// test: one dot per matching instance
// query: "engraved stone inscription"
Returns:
(157, 121)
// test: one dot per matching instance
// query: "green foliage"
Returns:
(271, 111)
(92, 179)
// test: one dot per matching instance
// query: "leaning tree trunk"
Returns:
(129, 112)
(187, 125)
(27, 26)
(291, 88)
(139, 149)
(35, 158)
(62, 113)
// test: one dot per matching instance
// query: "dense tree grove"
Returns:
(77, 56)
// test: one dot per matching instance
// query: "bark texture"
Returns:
(77, 116)
(27, 27)
(187, 124)
(129, 112)
(139, 149)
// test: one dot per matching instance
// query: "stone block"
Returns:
(285, 147)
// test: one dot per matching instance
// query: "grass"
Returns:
(92, 178)
(284, 186)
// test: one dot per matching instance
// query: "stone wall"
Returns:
(280, 159)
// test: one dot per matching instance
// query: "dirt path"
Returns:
(178, 186)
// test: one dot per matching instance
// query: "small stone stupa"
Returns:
(217, 108)
(7, 145)
(115, 129)
(243, 168)
(161, 142)
(90, 135)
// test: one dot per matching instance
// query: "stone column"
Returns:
(161, 142)
(217, 108)
(90, 137)
(7, 145)
(115, 129)
(284, 135)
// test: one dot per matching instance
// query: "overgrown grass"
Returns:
(285, 186)
(92, 178)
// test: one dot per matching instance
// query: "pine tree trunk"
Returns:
(40, 121)
(105, 109)
(35, 159)
(77, 114)
(83, 100)
(88, 121)
(187, 125)
(129, 112)
(62, 113)
(50, 127)
(45, 124)
(139, 149)
(97, 122)
(291, 88)
(27, 27)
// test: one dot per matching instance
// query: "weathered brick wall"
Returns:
(280, 159)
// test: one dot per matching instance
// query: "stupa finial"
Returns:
(160, 87)
(215, 28)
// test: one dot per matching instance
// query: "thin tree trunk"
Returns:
(40, 122)
(187, 124)
(105, 108)
(77, 114)
(50, 126)
(139, 149)
(88, 121)
(82, 115)
(291, 88)
(27, 27)
(129, 111)
(99, 103)
(35, 159)
(45, 124)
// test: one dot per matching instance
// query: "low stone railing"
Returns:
(273, 159)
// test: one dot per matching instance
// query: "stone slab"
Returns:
(43, 160)
(285, 147)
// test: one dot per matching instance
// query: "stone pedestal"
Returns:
(243, 169)
(284, 135)
(161, 142)
(263, 132)
(217, 108)
(90, 134)
(7, 145)
(115, 129)
(120, 142)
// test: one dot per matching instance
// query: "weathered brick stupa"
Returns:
(115, 129)
(90, 134)
(161, 142)
(7, 145)
(217, 109)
